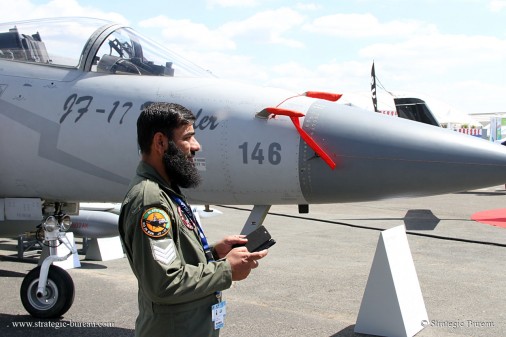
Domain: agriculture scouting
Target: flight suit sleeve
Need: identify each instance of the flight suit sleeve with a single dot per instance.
(163, 275)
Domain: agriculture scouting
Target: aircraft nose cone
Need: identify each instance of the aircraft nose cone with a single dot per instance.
(381, 156)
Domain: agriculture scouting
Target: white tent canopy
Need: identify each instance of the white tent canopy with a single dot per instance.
(443, 112)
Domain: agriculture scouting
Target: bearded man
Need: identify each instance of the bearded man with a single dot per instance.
(180, 276)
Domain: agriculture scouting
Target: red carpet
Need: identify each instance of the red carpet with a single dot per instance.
(494, 217)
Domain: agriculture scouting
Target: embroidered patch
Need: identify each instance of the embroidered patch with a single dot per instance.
(164, 251)
(186, 222)
(155, 223)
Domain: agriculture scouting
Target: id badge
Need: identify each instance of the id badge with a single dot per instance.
(219, 311)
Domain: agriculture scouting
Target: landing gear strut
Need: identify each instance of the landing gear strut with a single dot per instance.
(47, 291)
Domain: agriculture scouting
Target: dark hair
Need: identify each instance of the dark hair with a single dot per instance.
(160, 117)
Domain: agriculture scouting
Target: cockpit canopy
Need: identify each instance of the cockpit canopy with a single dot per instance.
(90, 45)
(124, 52)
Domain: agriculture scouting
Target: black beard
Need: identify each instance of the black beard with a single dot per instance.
(180, 170)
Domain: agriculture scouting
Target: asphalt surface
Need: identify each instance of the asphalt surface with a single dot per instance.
(313, 280)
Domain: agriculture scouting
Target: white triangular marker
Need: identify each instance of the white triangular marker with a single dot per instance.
(105, 249)
(392, 304)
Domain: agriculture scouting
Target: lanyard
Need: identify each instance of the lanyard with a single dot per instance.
(191, 217)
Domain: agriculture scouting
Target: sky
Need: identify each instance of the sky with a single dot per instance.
(453, 50)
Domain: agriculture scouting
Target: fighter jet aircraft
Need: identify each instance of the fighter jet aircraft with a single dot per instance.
(71, 92)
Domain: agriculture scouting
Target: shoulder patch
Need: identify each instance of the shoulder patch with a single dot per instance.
(155, 222)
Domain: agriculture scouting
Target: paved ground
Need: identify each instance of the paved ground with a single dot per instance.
(313, 280)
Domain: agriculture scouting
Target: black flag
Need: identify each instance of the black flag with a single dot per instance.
(373, 88)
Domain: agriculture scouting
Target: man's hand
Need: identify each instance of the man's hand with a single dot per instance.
(243, 261)
(223, 247)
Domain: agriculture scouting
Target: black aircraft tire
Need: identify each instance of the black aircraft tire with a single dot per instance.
(60, 293)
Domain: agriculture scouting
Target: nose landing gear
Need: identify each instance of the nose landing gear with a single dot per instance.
(47, 291)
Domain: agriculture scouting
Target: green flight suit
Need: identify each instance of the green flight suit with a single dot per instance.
(177, 286)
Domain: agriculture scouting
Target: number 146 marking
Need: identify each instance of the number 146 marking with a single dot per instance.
(257, 154)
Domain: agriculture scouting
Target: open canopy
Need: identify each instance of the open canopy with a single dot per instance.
(90, 45)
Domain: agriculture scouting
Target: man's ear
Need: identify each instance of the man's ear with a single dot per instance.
(159, 141)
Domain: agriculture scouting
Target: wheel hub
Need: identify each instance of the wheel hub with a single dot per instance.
(47, 300)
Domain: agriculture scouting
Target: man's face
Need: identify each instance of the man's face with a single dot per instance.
(178, 157)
